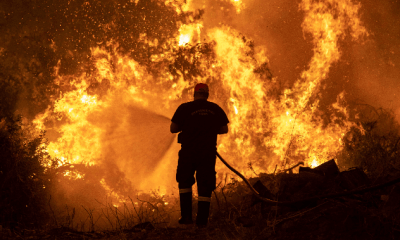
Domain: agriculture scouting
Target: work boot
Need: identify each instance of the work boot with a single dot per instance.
(202, 213)
(186, 208)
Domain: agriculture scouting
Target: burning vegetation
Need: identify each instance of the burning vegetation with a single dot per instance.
(88, 89)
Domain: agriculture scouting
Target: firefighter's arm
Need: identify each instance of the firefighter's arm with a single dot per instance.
(223, 129)
(175, 128)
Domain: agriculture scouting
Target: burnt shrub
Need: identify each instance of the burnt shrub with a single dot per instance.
(23, 181)
(375, 146)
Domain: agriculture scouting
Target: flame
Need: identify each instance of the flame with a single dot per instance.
(74, 175)
(238, 4)
(180, 5)
(187, 33)
(273, 129)
(314, 163)
(111, 192)
(75, 106)
(295, 129)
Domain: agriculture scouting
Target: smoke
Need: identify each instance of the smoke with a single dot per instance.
(376, 63)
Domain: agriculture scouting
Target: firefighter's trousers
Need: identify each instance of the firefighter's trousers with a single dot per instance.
(201, 163)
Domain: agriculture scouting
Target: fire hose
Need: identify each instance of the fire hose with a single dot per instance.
(288, 203)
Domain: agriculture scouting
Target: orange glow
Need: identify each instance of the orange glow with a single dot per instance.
(239, 5)
(314, 163)
(188, 33)
(278, 130)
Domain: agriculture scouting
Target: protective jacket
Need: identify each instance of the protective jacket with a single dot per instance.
(200, 121)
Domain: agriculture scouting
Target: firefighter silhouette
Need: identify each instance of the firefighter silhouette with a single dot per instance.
(198, 123)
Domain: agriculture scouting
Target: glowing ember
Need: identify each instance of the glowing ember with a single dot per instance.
(314, 163)
(184, 39)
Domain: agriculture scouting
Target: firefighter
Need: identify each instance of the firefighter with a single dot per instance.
(199, 122)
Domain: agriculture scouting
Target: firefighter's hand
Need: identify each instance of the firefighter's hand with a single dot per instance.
(175, 128)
